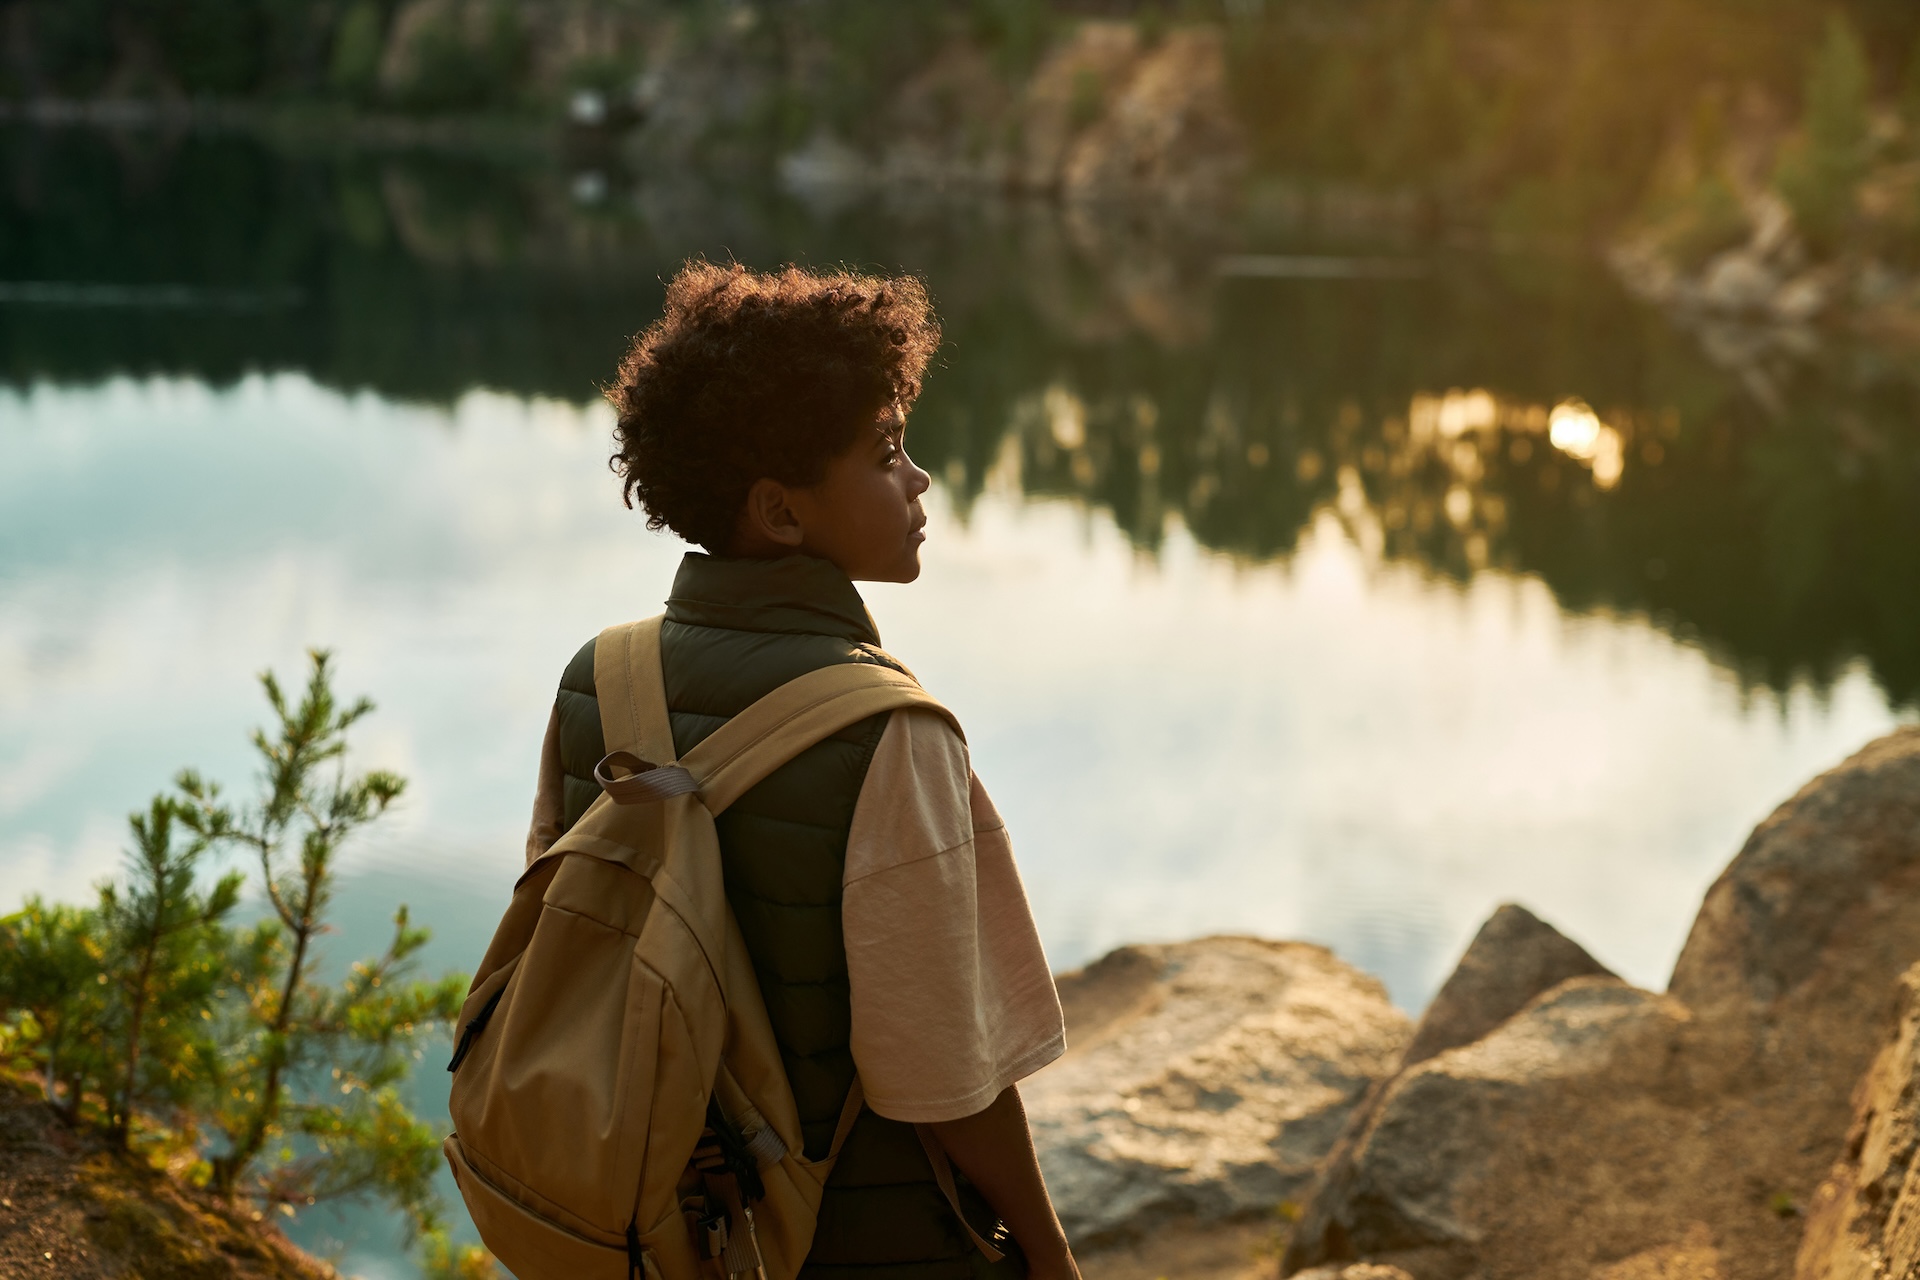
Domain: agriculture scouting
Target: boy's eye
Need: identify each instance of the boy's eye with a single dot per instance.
(890, 457)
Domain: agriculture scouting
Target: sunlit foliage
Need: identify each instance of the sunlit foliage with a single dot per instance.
(165, 950)
(152, 1017)
(1821, 170)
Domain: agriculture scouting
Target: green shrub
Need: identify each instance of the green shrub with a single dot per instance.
(148, 1011)
(1701, 221)
(53, 998)
(165, 956)
(465, 57)
(1086, 100)
(72, 42)
(211, 46)
(1819, 172)
(1015, 31)
(358, 42)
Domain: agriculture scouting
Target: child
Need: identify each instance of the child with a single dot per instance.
(763, 417)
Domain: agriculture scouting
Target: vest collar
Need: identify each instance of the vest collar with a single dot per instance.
(800, 595)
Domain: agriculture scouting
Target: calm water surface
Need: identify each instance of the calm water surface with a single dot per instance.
(1337, 609)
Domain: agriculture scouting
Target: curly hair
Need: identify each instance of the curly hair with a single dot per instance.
(759, 374)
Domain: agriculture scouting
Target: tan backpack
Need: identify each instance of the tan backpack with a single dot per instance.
(619, 1104)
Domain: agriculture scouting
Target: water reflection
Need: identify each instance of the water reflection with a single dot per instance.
(1490, 413)
(1354, 565)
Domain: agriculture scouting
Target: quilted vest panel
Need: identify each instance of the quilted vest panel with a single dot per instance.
(734, 631)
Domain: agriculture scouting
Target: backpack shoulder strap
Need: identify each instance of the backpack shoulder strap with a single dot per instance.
(632, 692)
(787, 721)
(744, 750)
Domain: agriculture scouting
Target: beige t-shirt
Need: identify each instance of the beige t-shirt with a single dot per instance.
(952, 997)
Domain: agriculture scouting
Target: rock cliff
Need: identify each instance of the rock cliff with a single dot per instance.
(1865, 1219)
(1107, 116)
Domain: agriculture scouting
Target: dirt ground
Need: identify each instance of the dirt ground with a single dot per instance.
(72, 1208)
(1242, 1251)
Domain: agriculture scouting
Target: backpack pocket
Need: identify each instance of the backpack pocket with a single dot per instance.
(556, 1087)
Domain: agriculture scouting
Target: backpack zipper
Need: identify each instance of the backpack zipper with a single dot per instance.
(474, 1028)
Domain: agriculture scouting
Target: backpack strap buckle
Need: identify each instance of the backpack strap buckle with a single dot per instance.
(627, 779)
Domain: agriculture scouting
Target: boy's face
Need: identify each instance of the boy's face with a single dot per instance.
(864, 516)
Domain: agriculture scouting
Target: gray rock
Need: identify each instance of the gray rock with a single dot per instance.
(1864, 1222)
(825, 163)
(1804, 933)
(1802, 298)
(1606, 1133)
(1478, 1159)
(1737, 281)
(1515, 957)
(1205, 1082)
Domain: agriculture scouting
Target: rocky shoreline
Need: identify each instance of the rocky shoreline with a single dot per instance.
(1234, 1107)
(1544, 1119)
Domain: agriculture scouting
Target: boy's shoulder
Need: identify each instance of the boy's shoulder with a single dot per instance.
(576, 680)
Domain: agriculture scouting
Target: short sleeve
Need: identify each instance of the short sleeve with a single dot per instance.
(953, 1000)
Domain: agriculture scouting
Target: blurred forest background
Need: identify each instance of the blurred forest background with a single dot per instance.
(419, 196)
(1579, 118)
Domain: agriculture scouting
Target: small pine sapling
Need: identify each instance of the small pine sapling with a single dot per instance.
(307, 1101)
(164, 963)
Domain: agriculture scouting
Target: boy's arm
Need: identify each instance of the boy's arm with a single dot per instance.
(952, 999)
(994, 1148)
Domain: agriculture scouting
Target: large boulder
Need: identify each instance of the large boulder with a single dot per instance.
(1865, 1219)
(1515, 957)
(1481, 1159)
(1205, 1082)
(1804, 933)
(1609, 1132)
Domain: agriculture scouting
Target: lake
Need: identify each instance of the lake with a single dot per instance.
(1290, 579)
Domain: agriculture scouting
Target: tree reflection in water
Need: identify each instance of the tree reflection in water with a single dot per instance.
(1485, 412)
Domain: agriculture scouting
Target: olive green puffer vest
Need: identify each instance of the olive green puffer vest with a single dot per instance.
(734, 631)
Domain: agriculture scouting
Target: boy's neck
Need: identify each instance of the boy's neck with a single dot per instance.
(797, 593)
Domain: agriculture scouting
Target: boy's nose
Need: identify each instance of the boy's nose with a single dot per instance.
(918, 481)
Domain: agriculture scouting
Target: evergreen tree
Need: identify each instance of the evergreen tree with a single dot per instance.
(163, 944)
(53, 998)
(1820, 173)
(306, 1101)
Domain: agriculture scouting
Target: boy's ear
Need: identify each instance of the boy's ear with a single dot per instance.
(768, 516)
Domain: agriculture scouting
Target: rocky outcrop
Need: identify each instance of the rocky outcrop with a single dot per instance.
(1107, 117)
(1205, 1082)
(1607, 1131)
(1483, 1159)
(1515, 957)
(1765, 277)
(1165, 128)
(1865, 1219)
